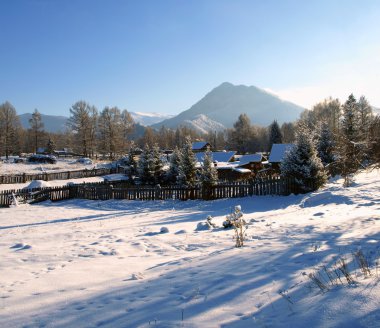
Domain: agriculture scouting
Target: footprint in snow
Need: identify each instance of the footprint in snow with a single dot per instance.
(318, 214)
(18, 245)
(25, 247)
(108, 253)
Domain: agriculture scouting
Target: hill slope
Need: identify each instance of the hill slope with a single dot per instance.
(224, 104)
(52, 123)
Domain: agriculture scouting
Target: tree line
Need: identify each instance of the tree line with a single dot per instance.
(111, 132)
(333, 138)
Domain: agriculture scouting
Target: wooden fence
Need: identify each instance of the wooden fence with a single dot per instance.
(121, 190)
(49, 176)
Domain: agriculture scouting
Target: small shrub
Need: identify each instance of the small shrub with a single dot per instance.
(236, 221)
(362, 263)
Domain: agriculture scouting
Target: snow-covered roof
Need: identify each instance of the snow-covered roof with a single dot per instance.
(217, 156)
(250, 158)
(199, 145)
(278, 152)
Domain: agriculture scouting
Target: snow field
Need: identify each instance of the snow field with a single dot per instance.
(82, 263)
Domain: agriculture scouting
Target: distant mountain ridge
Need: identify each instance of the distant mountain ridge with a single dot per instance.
(149, 118)
(52, 123)
(225, 103)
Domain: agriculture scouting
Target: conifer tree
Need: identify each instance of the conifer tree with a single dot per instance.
(209, 174)
(350, 119)
(374, 137)
(145, 166)
(364, 118)
(174, 164)
(157, 165)
(50, 147)
(303, 164)
(132, 165)
(350, 151)
(275, 135)
(187, 168)
(325, 144)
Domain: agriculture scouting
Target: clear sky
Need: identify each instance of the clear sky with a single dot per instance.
(164, 55)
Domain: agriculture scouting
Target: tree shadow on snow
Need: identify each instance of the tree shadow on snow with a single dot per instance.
(196, 287)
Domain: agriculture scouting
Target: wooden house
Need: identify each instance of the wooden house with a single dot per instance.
(277, 155)
(201, 146)
(253, 162)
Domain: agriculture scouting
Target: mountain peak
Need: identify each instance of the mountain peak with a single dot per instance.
(226, 102)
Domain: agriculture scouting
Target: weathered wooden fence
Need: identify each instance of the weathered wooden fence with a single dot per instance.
(121, 190)
(49, 176)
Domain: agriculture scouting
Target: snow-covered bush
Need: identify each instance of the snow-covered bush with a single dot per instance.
(206, 225)
(236, 221)
(202, 226)
(209, 222)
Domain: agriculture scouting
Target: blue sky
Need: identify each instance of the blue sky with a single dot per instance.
(164, 55)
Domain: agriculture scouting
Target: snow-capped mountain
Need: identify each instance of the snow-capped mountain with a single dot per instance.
(203, 124)
(149, 118)
(226, 102)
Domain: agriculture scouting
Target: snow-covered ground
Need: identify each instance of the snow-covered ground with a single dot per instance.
(82, 263)
(62, 165)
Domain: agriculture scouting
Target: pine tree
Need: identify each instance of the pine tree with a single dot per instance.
(325, 144)
(303, 164)
(209, 175)
(350, 151)
(364, 118)
(132, 165)
(275, 135)
(157, 165)
(50, 147)
(174, 164)
(145, 166)
(374, 145)
(187, 168)
(350, 119)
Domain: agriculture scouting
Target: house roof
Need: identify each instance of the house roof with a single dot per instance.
(217, 156)
(250, 158)
(278, 152)
(199, 145)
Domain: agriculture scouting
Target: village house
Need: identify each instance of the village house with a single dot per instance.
(201, 146)
(253, 162)
(277, 155)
